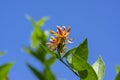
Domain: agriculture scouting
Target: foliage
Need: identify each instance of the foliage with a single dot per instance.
(118, 73)
(4, 69)
(38, 39)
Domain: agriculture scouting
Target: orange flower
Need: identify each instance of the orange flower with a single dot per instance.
(61, 32)
(60, 40)
(53, 43)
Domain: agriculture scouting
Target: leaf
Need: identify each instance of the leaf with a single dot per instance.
(39, 56)
(118, 68)
(2, 53)
(69, 52)
(85, 70)
(49, 51)
(118, 76)
(36, 72)
(50, 61)
(4, 70)
(39, 23)
(37, 34)
(42, 21)
(99, 68)
(118, 73)
(47, 33)
(48, 74)
(31, 20)
(82, 50)
(69, 60)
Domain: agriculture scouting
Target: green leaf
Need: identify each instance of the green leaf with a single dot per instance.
(99, 68)
(69, 60)
(82, 50)
(50, 61)
(85, 70)
(118, 73)
(42, 21)
(2, 53)
(47, 33)
(118, 68)
(37, 34)
(4, 70)
(38, 55)
(48, 74)
(39, 23)
(36, 72)
(31, 20)
(49, 51)
(69, 52)
(118, 76)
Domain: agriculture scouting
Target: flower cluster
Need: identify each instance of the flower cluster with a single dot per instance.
(60, 39)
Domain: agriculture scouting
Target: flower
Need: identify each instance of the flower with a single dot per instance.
(60, 40)
(53, 43)
(61, 32)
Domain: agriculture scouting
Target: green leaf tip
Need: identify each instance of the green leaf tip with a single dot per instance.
(99, 68)
(38, 23)
(4, 70)
(82, 50)
(118, 73)
(118, 68)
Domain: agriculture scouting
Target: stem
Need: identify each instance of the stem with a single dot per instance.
(69, 67)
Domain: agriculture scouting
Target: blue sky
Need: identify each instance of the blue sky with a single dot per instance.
(98, 20)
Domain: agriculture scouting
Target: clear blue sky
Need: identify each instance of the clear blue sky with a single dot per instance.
(98, 20)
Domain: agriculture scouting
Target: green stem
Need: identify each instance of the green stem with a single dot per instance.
(69, 67)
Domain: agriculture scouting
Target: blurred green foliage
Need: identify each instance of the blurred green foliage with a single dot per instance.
(118, 73)
(38, 40)
(4, 69)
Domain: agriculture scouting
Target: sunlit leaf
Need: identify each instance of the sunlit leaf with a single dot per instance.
(31, 20)
(4, 70)
(69, 60)
(118, 68)
(118, 73)
(42, 21)
(85, 70)
(99, 68)
(47, 33)
(82, 50)
(36, 72)
(69, 52)
(37, 34)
